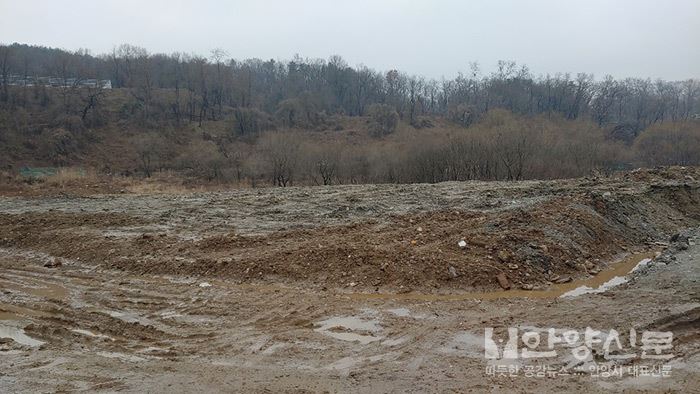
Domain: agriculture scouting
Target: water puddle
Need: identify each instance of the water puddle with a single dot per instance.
(128, 317)
(396, 341)
(8, 316)
(13, 312)
(39, 289)
(615, 281)
(11, 352)
(405, 312)
(18, 335)
(91, 334)
(122, 356)
(343, 328)
(35, 255)
(133, 232)
(170, 314)
(614, 275)
(400, 312)
(466, 344)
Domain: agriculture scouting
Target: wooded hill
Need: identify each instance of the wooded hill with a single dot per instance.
(323, 121)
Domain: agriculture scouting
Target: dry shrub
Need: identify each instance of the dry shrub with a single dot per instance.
(670, 144)
(7, 177)
(161, 184)
(501, 146)
(282, 156)
(322, 161)
(58, 146)
(383, 119)
(202, 159)
(69, 176)
(246, 121)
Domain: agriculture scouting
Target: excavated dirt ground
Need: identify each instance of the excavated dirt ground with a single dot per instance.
(348, 288)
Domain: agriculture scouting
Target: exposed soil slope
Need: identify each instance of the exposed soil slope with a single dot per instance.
(368, 237)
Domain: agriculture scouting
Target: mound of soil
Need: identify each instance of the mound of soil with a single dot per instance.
(567, 229)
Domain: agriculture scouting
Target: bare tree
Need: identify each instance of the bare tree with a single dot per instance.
(282, 154)
(5, 52)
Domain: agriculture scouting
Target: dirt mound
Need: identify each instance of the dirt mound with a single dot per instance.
(564, 231)
(563, 237)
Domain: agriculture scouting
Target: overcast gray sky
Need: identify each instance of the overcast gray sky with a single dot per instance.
(640, 38)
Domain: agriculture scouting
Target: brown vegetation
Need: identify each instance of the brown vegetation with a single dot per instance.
(322, 123)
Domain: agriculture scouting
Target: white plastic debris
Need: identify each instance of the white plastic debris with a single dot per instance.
(462, 244)
(205, 284)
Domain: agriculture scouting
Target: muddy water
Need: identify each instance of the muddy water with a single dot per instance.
(39, 289)
(617, 270)
(18, 335)
(8, 316)
(346, 325)
(32, 287)
(14, 312)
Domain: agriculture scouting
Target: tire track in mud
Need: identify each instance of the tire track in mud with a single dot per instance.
(266, 331)
(105, 312)
(136, 318)
(114, 329)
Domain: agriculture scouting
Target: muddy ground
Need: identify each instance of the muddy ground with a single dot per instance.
(347, 288)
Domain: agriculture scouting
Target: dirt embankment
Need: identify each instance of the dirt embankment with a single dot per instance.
(219, 291)
(532, 234)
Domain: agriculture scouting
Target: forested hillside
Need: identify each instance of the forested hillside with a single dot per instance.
(314, 121)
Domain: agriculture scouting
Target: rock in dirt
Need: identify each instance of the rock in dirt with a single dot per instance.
(53, 263)
(680, 241)
(462, 244)
(503, 281)
(504, 256)
(563, 279)
(453, 272)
